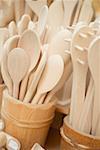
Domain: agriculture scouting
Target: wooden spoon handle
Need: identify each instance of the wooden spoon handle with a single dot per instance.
(41, 100)
(23, 87)
(36, 98)
(3, 139)
(15, 90)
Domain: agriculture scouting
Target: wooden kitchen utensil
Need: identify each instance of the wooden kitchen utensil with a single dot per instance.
(84, 16)
(18, 65)
(95, 71)
(12, 28)
(18, 9)
(96, 7)
(81, 40)
(37, 74)
(36, 6)
(49, 81)
(67, 72)
(42, 20)
(69, 7)
(32, 47)
(61, 38)
(85, 121)
(54, 22)
(23, 23)
(8, 46)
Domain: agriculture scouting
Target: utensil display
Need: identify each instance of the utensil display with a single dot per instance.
(18, 65)
(32, 47)
(10, 44)
(47, 81)
(37, 74)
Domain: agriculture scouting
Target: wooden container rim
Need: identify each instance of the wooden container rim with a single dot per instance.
(29, 105)
(66, 122)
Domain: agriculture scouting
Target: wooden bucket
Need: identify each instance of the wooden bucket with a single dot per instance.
(75, 140)
(2, 86)
(26, 122)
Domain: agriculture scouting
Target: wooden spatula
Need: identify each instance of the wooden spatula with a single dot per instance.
(32, 47)
(80, 41)
(49, 81)
(95, 71)
(85, 121)
(18, 65)
(8, 46)
(37, 74)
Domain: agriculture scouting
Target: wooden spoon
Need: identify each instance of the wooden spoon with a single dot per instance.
(12, 28)
(36, 5)
(54, 22)
(67, 72)
(23, 23)
(32, 47)
(32, 88)
(42, 20)
(84, 16)
(18, 65)
(49, 81)
(19, 9)
(69, 7)
(8, 46)
(59, 44)
(95, 71)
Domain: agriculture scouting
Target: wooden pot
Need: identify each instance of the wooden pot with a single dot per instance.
(77, 140)
(26, 122)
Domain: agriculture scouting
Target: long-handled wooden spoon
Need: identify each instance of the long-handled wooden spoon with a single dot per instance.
(42, 20)
(49, 81)
(18, 65)
(67, 72)
(37, 74)
(8, 46)
(32, 47)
